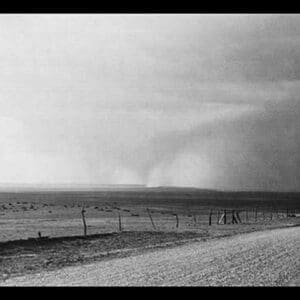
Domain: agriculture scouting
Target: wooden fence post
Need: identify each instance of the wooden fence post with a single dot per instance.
(218, 217)
(225, 213)
(149, 214)
(238, 216)
(210, 217)
(234, 220)
(120, 223)
(256, 214)
(195, 220)
(177, 220)
(83, 220)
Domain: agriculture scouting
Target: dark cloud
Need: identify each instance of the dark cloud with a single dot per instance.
(252, 152)
(204, 100)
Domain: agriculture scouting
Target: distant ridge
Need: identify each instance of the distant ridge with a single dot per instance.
(174, 188)
(65, 187)
(12, 187)
(72, 187)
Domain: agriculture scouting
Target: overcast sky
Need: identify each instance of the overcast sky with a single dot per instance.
(210, 101)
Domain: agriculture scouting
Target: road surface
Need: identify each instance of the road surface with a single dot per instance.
(266, 258)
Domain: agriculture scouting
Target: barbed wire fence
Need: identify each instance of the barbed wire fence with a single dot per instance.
(112, 218)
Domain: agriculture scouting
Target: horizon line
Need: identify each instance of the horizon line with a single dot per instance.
(86, 186)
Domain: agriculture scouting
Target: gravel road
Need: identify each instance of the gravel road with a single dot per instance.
(266, 258)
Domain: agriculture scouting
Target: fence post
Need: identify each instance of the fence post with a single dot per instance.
(195, 220)
(120, 223)
(225, 213)
(210, 217)
(256, 214)
(234, 220)
(238, 216)
(218, 217)
(148, 211)
(177, 220)
(83, 220)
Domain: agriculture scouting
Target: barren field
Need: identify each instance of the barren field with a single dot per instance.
(54, 214)
(179, 216)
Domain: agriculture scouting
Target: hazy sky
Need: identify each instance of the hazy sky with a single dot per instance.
(211, 101)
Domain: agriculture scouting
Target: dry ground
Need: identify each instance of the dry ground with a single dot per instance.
(267, 258)
(37, 255)
(58, 216)
(54, 214)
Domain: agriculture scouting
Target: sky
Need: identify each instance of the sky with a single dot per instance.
(199, 100)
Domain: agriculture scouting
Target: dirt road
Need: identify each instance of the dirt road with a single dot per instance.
(270, 258)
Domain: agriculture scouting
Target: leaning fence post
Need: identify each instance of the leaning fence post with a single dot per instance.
(120, 223)
(238, 216)
(177, 220)
(83, 220)
(234, 221)
(149, 214)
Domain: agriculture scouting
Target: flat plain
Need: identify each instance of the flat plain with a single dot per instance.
(43, 230)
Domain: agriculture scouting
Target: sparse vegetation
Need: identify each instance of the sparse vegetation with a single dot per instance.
(170, 211)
